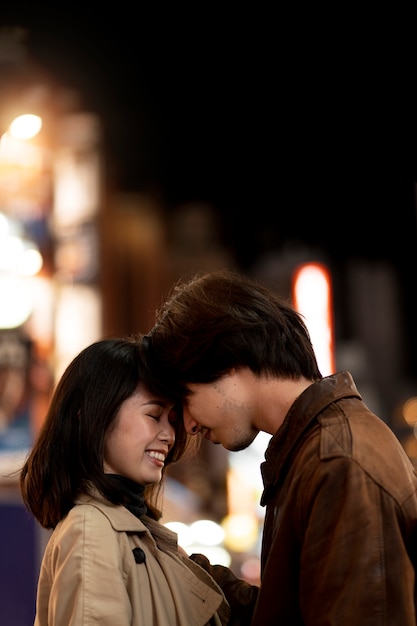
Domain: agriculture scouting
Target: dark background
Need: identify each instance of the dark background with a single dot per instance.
(275, 124)
(299, 131)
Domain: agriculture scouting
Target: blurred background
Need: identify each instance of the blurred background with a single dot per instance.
(169, 144)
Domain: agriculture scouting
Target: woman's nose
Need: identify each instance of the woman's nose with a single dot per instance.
(168, 433)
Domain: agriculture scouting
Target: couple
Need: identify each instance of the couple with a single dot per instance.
(227, 358)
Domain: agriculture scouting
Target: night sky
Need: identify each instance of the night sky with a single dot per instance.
(295, 137)
(292, 138)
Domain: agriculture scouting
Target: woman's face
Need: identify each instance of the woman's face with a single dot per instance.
(140, 438)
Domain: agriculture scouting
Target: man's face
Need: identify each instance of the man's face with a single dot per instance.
(221, 411)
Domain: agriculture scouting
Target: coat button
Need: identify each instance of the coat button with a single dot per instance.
(140, 556)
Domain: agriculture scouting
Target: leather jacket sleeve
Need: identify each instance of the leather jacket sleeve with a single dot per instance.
(240, 594)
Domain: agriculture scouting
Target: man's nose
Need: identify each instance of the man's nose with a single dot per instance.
(190, 425)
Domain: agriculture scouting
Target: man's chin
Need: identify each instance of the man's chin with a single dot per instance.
(239, 445)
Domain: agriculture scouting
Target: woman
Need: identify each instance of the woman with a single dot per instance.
(94, 476)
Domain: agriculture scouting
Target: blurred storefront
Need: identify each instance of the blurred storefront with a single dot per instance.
(50, 301)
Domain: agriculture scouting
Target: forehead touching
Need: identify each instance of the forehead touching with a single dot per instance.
(161, 405)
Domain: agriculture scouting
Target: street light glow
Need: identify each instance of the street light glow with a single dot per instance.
(312, 294)
(26, 126)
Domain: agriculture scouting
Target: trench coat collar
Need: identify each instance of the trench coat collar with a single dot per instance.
(121, 519)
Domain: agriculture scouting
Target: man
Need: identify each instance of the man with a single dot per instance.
(339, 538)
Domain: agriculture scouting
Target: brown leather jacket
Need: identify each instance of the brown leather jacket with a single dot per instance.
(340, 533)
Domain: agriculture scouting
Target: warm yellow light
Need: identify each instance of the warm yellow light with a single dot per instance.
(204, 537)
(409, 411)
(77, 321)
(18, 256)
(207, 532)
(184, 534)
(241, 531)
(26, 126)
(410, 446)
(215, 554)
(30, 262)
(16, 297)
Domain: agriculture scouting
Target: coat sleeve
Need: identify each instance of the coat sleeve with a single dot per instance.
(240, 594)
(88, 574)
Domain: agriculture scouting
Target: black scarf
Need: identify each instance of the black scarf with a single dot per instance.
(134, 499)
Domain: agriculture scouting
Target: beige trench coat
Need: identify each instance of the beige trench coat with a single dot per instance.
(89, 575)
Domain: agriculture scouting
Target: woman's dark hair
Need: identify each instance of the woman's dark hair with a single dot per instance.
(223, 320)
(68, 454)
